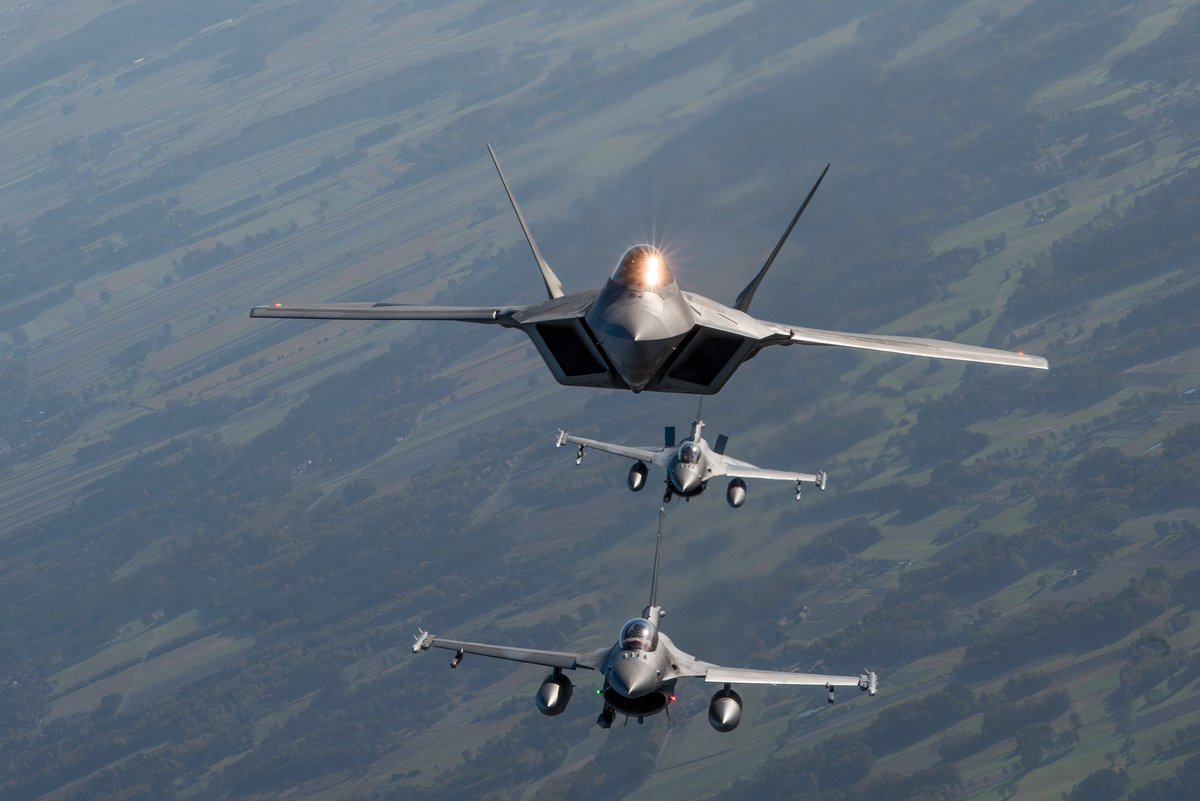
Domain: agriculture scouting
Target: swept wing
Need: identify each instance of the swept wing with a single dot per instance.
(740, 469)
(652, 455)
(558, 659)
(499, 315)
(684, 665)
(723, 675)
(911, 346)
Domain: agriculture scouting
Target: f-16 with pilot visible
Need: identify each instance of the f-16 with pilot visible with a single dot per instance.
(640, 331)
(640, 670)
(690, 465)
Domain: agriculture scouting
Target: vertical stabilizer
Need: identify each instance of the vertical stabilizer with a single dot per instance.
(553, 285)
(746, 295)
(698, 423)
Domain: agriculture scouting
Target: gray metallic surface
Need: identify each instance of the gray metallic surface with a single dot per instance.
(648, 338)
(554, 287)
(736, 494)
(725, 710)
(554, 694)
(637, 476)
(689, 479)
(745, 297)
(640, 680)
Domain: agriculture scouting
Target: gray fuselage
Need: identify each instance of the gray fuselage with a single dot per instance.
(639, 328)
(639, 674)
(688, 469)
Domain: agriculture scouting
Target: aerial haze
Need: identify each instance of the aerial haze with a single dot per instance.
(218, 534)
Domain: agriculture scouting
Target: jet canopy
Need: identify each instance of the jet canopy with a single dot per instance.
(642, 267)
(689, 453)
(639, 634)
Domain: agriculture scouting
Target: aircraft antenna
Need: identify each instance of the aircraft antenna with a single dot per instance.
(746, 295)
(554, 287)
(662, 514)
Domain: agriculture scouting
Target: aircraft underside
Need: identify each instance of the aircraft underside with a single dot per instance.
(697, 363)
(643, 706)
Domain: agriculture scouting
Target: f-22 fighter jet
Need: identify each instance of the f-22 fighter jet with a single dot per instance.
(690, 465)
(640, 670)
(640, 331)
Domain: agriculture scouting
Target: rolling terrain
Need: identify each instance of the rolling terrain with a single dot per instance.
(217, 534)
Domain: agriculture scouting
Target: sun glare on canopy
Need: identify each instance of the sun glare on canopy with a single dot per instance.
(642, 267)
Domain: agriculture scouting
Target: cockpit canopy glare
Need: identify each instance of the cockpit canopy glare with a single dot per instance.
(642, 267)
(639, 634)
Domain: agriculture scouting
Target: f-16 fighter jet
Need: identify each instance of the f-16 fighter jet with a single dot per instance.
(640, 670)
(690, 465)
(640, 331)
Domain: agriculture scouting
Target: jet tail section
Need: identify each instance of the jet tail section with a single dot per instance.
(746, 295)
(698, 423)
(553, 286)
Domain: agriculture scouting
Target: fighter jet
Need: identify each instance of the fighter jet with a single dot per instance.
(640, 670)
(640, 331)
(690, 466)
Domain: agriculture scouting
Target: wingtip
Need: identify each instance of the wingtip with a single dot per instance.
(265, 311)
(422, 640)
(1036, 362)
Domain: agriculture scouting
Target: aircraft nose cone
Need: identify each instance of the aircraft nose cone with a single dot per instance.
(632, 677)
(638, 333)
(686, 478)
(637, 362)
(636, 319)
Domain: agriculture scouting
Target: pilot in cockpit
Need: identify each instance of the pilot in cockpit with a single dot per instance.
(638, 634)
(642, 267)
(689, 453)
